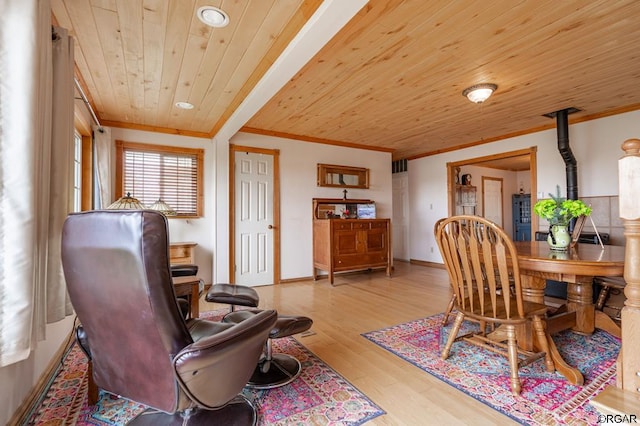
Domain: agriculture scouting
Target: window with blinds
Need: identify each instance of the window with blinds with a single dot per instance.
(152, 172)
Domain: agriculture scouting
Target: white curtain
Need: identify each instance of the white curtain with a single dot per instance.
(103, 148)
(61, 176)
(34, 173)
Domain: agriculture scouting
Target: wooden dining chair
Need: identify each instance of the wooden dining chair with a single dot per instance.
(449, 310)
(471, 246)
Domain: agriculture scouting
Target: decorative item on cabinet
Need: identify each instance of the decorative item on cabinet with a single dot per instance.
(342, 245)
(465, 198)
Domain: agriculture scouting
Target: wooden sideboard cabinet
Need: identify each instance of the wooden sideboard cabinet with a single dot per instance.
(341, 245)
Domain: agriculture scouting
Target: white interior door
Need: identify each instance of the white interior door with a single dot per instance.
(254, 247)
(492, 199)
(400, 223)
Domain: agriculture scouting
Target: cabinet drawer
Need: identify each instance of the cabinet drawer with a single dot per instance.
(180, 252)
(375, 225)
(360, 261)
(361, 225)
(341, 226)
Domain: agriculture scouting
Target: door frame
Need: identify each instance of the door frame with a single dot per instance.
(232, 208)
(531, 152)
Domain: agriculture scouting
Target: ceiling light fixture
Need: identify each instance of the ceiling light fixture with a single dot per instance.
(184, 105)
(479, 92)
(213, 16)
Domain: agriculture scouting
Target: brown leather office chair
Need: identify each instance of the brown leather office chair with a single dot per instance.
(116, 265)
(483, 266)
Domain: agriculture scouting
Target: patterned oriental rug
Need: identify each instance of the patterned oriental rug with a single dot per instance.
(546, 398)
(319, 396)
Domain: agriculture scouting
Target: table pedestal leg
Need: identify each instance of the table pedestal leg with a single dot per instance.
(533, 288)
(604, 322)
(580, 301)
(572, 374)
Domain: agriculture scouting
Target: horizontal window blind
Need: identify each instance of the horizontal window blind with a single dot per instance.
(150, 173)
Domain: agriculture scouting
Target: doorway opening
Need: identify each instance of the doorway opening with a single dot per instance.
(517, 168)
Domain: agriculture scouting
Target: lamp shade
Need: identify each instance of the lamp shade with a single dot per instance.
(480, 92)
(163, 208)
(126, 203)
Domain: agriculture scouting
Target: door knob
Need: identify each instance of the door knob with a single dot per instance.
(270, 226)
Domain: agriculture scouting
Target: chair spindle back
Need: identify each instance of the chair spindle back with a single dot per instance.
(482, 264)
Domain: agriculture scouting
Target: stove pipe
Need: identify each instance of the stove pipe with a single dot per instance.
(571, 165)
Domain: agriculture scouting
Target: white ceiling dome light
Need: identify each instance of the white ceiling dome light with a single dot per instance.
(479, 92)
(213, 16)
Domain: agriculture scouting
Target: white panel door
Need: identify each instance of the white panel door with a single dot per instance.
(400, 223)
(492, 199)
(254, 219)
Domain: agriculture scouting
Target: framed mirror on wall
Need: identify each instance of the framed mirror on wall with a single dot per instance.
(343, 176)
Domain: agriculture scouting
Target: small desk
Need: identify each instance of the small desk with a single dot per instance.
(576, 267)
(189, 286)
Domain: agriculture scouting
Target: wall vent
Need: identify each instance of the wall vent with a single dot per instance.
(399, 166)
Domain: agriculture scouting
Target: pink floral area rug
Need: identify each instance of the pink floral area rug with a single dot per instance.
(546, 398)
(319, 396)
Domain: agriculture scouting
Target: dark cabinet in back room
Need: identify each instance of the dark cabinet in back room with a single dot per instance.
(521, 204)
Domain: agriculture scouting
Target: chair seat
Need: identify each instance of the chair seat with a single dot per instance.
(615, 282)
(286, 325)
(183, 270)
(529, 308)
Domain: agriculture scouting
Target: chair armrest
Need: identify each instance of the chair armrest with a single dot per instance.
(183, 304)
(214, 369)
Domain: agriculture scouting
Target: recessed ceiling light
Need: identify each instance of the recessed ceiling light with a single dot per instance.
(213, 16)
(184, 105)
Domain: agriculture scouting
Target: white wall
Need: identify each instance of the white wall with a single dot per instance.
(298, 178)
(201, 230)
(595, 144)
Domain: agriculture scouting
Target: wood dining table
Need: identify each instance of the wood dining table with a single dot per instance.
(576, 267)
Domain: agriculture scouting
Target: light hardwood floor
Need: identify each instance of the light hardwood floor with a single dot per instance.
(364, 302)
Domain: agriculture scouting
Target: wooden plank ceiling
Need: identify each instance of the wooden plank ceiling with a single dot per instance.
(391, 79)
